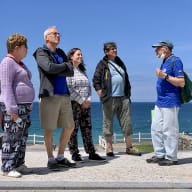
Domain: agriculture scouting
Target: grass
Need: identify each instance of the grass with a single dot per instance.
(144, 147)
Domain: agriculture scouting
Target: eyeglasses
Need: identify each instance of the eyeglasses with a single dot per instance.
(54, 33)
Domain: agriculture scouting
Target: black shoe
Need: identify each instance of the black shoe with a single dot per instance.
(52, 165)
(96, 157)
(154, 159)
(167, 162)
(77, 157)
(110, 154)
(65, 163)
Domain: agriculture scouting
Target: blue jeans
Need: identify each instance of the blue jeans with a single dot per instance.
(165, 132)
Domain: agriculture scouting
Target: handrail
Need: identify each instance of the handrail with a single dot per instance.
(34, 140)
(137, 137)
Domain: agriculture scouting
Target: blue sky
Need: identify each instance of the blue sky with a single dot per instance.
(133, 24)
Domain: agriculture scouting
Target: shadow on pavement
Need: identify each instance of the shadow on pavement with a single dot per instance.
(185, 161)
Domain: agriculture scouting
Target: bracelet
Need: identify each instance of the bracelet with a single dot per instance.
(166, 77)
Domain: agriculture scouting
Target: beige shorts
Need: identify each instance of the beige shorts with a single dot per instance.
(56, 112)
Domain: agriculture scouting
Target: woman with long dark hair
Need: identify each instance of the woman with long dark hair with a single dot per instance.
(80, 93)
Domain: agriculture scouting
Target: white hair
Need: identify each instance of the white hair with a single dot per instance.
(47, 31)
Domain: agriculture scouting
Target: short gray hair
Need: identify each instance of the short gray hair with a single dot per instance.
(47, 31)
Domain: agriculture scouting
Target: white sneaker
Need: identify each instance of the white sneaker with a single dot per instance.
(12, 173)
(24, 169)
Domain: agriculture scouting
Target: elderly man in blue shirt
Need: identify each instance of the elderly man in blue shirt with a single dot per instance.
(165, 126)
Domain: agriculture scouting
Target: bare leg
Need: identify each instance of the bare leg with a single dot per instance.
(109, 143)
(128, 141)
(64, 139)
(49, 142)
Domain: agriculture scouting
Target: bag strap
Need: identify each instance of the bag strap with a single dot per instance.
(172, 62)
(116, 69)
(172, 65)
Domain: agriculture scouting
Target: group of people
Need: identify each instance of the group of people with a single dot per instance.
(65, 102)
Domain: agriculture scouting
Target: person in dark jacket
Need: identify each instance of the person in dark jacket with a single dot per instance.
(112, 84)
(55, 104)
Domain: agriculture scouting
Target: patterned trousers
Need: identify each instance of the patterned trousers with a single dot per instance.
(15, 137)
(82, 119)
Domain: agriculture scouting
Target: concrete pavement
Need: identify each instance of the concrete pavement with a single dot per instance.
(121, 173)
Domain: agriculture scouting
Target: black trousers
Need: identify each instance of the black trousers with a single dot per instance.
(82, 119)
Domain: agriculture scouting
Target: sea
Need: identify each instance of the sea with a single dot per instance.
(141, 120)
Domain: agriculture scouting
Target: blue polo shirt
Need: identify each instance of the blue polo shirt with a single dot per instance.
(59, 82)
(168, 95)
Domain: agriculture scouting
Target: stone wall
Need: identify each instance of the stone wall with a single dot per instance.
(185, 142)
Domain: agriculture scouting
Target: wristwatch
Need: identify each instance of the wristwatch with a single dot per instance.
(166, 77)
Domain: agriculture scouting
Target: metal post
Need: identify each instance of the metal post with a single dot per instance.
(34, 139)
(115, 138)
